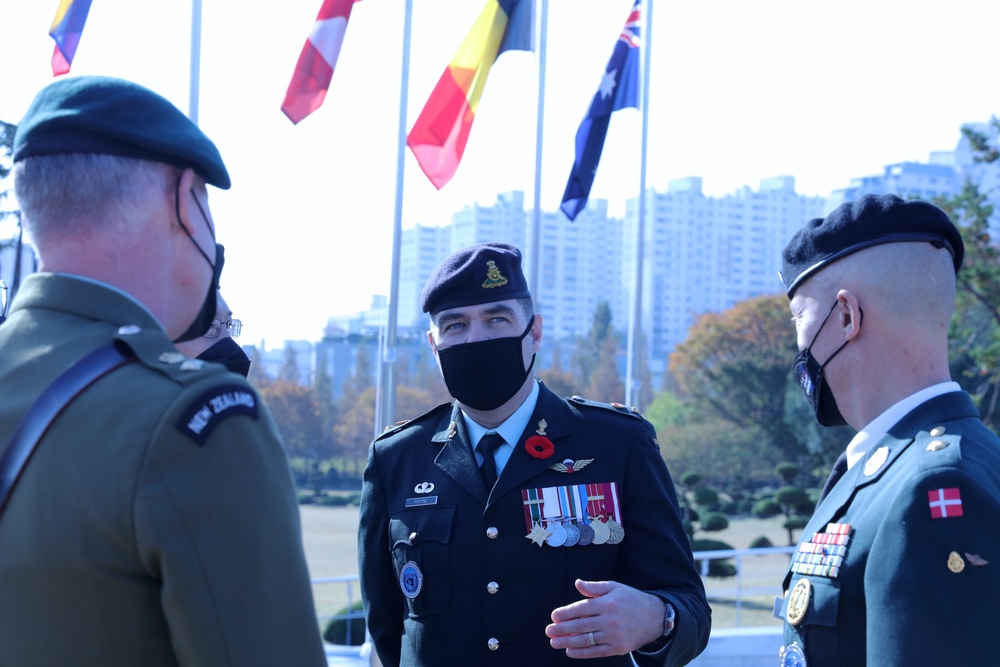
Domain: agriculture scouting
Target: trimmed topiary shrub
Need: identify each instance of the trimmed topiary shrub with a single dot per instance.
(336, 629)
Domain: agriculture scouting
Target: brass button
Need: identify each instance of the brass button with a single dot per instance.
(492, 532)
(937, 431)
(493, 643)
(492, 587)
(935, 445)
(413, 536)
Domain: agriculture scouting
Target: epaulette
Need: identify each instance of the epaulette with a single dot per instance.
(938, 448)
(408, 423)
(620, 408)
(155, 351)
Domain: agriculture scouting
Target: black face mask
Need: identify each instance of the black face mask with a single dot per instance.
(809, 374)
(207, 313)
(486, 374)
(228, 353)
(208, 308)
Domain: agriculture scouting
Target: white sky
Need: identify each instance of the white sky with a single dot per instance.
(824, 91)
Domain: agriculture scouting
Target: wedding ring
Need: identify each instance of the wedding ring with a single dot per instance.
(590, 638)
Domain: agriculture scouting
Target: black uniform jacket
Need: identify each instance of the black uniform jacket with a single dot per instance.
(918, 574)
(479, 577)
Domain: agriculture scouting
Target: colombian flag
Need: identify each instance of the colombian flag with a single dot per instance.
(314, 70)
(439, 136)
(67, 27)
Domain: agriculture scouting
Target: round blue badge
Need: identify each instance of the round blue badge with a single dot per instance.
(792, 656)
(411, 580)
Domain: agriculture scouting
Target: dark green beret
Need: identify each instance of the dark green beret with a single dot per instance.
(869, 221)
(103, 115)
(478, 274)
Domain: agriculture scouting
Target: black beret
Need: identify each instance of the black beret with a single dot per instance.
(478, 274)
(104, 115)
(869, 221)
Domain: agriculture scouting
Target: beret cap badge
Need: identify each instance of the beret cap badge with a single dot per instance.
(493, 276)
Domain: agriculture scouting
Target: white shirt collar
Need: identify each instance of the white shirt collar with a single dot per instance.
(878, 427)
(512, 427)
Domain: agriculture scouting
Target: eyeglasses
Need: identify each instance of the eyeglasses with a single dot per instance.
(234, 326)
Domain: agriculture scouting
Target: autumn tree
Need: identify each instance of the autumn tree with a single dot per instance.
(299, 419)
(560, 381)
(734, 367)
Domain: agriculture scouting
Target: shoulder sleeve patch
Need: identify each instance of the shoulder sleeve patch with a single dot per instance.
(207, 411)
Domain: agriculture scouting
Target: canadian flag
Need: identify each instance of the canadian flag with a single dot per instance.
(945, 503)
(317, 61)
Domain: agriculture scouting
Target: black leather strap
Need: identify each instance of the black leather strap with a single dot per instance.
(49, 404)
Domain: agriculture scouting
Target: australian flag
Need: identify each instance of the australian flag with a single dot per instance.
(619, 89)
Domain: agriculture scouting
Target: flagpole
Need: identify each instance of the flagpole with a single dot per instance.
(536, 211)
(632, 396)
(195, 79)
(387, 411)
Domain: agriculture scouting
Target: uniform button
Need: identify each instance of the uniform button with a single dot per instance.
(937, 431)
(492, 532)
(492, 587)
(493, 643)
(937, 445)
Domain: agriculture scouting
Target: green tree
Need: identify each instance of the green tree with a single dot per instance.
(975, 327)
(588, 355)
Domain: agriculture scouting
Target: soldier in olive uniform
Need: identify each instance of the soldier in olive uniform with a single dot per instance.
(900, 564)
(516, 527)
(156, 522)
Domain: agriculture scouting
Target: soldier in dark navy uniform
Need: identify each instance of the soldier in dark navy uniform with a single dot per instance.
(156, 523)
(515, 527)
(900, 564)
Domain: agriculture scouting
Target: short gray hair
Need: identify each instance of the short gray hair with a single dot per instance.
(57, 193)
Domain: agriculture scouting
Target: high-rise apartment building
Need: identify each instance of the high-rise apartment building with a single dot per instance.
(705, 254)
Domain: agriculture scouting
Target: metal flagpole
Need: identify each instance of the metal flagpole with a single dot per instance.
(632, 384)
(195, 79)
(388, 396)
(536, 212)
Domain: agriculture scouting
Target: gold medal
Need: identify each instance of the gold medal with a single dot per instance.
(955, 562)
(798, 602)
(601, 531)
(538, 535)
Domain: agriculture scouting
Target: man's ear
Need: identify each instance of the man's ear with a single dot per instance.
(430, 341)
(184, 203)
(849, 315)
(536, 333)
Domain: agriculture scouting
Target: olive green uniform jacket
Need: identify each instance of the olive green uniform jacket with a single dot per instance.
(156, 523)
(918, 570)
(486, 591)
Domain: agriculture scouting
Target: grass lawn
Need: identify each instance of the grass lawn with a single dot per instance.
(330, 538)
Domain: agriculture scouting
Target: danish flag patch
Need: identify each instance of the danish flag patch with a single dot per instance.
(945, 503)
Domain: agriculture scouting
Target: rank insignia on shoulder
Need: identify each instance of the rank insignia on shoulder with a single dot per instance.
(213, 406)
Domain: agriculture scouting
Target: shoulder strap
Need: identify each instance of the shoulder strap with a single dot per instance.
(47, 407)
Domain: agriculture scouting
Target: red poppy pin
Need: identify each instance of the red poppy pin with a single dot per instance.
(538, 445)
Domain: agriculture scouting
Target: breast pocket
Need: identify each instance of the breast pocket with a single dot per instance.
(811, 609)
(420, 539)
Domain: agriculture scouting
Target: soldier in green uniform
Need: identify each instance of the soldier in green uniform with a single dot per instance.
(900, 564)
(156, 522)
(516, 527)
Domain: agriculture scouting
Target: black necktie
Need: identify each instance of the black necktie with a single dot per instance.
(839, 468)
(487, 445)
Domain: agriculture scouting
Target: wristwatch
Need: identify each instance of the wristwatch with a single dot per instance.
(668, 620)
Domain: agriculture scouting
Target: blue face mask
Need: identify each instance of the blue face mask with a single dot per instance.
(809, 375)
(486, 374)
